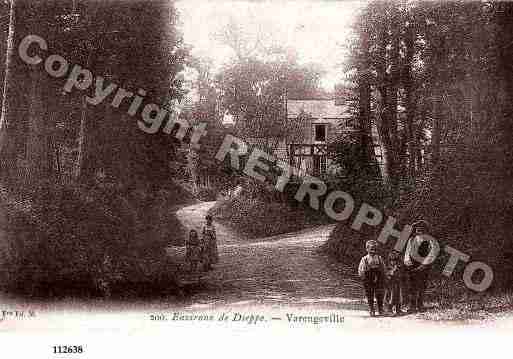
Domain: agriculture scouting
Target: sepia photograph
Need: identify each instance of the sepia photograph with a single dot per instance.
(195, 169)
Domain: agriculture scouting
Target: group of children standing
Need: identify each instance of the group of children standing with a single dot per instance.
(385, 281)
(202, 253)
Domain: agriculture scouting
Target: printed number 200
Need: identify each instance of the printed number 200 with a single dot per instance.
(68, 349)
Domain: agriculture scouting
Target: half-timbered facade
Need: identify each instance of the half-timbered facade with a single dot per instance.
(324, 121)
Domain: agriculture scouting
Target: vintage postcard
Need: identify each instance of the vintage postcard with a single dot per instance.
(314, 172)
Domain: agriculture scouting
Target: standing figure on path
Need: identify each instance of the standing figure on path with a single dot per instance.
(421, 252)
(372, 272)
(210, 240)
(194, 252)
(394, 276)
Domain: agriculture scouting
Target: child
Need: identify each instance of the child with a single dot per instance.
(420, 245)
(211, 254)
(194, 252)
(394, 276)
(372, 271)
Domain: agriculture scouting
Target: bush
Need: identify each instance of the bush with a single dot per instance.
(68, 243)
(470, 215)
(257, 217)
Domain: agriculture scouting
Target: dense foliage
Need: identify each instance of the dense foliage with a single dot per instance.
(97, 185)
(435, 78)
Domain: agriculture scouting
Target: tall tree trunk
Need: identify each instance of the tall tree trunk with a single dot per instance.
(396, 145)
(437, 128)
(39, 151)
(410, 98)
(4, 34)
(439, 76)
(8, 124)
(364, 96)
(85, 168)
(505, 73)
(40, 129)
(79, 165)
(386, 113)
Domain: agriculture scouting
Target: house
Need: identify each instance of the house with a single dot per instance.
(324, 120)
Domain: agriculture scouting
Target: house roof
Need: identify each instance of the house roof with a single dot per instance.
(316, 108)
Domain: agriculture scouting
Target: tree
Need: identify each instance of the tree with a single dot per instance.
(408, 83)
(8, 132)
(254, 91)
(142, 49)
(255, 84)
(26, 150)
(452, 76)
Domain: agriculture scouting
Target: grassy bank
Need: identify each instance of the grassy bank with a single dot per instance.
(256, 217)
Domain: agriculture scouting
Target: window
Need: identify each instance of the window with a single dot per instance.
(320, 132)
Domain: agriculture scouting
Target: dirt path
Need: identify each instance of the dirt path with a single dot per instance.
(285, 269)
(280, 275)
(287, 273)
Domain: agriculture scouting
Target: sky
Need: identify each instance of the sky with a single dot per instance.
(315, 30)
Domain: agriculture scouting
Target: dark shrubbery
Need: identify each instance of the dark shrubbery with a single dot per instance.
(67, 242)
(467, 214)
(266, 213)
(346, 244)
